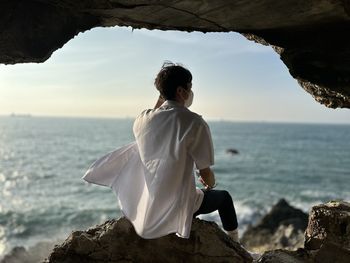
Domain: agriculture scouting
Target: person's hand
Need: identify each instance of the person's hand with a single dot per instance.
(207, 178)
(207, 187)
(202, 182)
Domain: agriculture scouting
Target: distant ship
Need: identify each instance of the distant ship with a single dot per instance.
(25, 115)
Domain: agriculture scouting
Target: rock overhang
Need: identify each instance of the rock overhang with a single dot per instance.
(310, 36)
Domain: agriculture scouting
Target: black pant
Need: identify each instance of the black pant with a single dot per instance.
(219, 200)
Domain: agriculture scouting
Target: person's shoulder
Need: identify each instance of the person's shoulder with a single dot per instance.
(145, 112)
(144, 115)
(193, 117)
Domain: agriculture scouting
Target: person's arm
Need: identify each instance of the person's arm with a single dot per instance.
(207, 177)
(160, 101)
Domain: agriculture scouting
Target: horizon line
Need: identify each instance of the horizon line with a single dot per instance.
(218, 119)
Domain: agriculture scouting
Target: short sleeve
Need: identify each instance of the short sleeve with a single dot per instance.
(201, 146)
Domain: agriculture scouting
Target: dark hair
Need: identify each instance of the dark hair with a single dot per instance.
(170, 77)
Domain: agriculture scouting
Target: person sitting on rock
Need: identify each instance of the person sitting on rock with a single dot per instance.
(153, 177)
(172, 139)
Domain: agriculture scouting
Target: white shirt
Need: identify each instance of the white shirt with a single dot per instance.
(153, 177)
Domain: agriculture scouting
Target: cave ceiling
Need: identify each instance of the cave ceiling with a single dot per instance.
(311, 36)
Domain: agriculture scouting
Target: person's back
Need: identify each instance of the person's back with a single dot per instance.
(170, 140)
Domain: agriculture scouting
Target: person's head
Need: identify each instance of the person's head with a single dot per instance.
(174, 82)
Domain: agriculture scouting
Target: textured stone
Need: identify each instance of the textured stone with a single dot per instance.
(329, 223)
(282, 227)
(327, 238)
(285, 256)
(310, 36)
(330, 252)
(116, 241)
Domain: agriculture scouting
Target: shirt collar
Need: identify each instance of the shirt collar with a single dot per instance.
(171, 103)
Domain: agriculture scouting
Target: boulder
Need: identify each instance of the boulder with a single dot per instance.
(328, 232)
(331, 252)
(232, 151)
(327, 238)
(117, 241)
(329, 223)
(282, 227)
(286, 256)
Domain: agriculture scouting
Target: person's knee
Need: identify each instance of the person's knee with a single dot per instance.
(226, 196)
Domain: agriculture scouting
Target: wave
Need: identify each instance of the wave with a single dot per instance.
(246, 215)
(26, 229)
(33, 254)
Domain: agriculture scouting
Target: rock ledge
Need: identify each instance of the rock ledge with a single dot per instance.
(327, 239)
(117, 241)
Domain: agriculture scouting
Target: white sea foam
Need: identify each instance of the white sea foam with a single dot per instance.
(245, 216)
(2, 177)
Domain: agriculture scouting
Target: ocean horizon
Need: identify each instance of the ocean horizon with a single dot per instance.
(30, 115)
(42, 160)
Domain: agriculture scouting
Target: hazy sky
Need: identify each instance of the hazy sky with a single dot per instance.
(109, 72)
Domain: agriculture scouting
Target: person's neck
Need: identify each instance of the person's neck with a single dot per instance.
(175, 101)
(179, 100)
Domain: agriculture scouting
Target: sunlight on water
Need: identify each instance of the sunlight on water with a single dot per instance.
(2, 240)
(2, 178)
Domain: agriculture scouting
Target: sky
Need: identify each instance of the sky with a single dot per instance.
(109, 72)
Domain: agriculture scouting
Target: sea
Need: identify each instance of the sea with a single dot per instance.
(42, 160)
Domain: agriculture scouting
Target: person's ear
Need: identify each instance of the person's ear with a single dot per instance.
(181, 93)
(179, 90)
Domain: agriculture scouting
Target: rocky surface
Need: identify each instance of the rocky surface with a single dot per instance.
(327, 240)
(310, 36)
(286, 256)
(329, 223)
(282, 227)
(116, 241)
